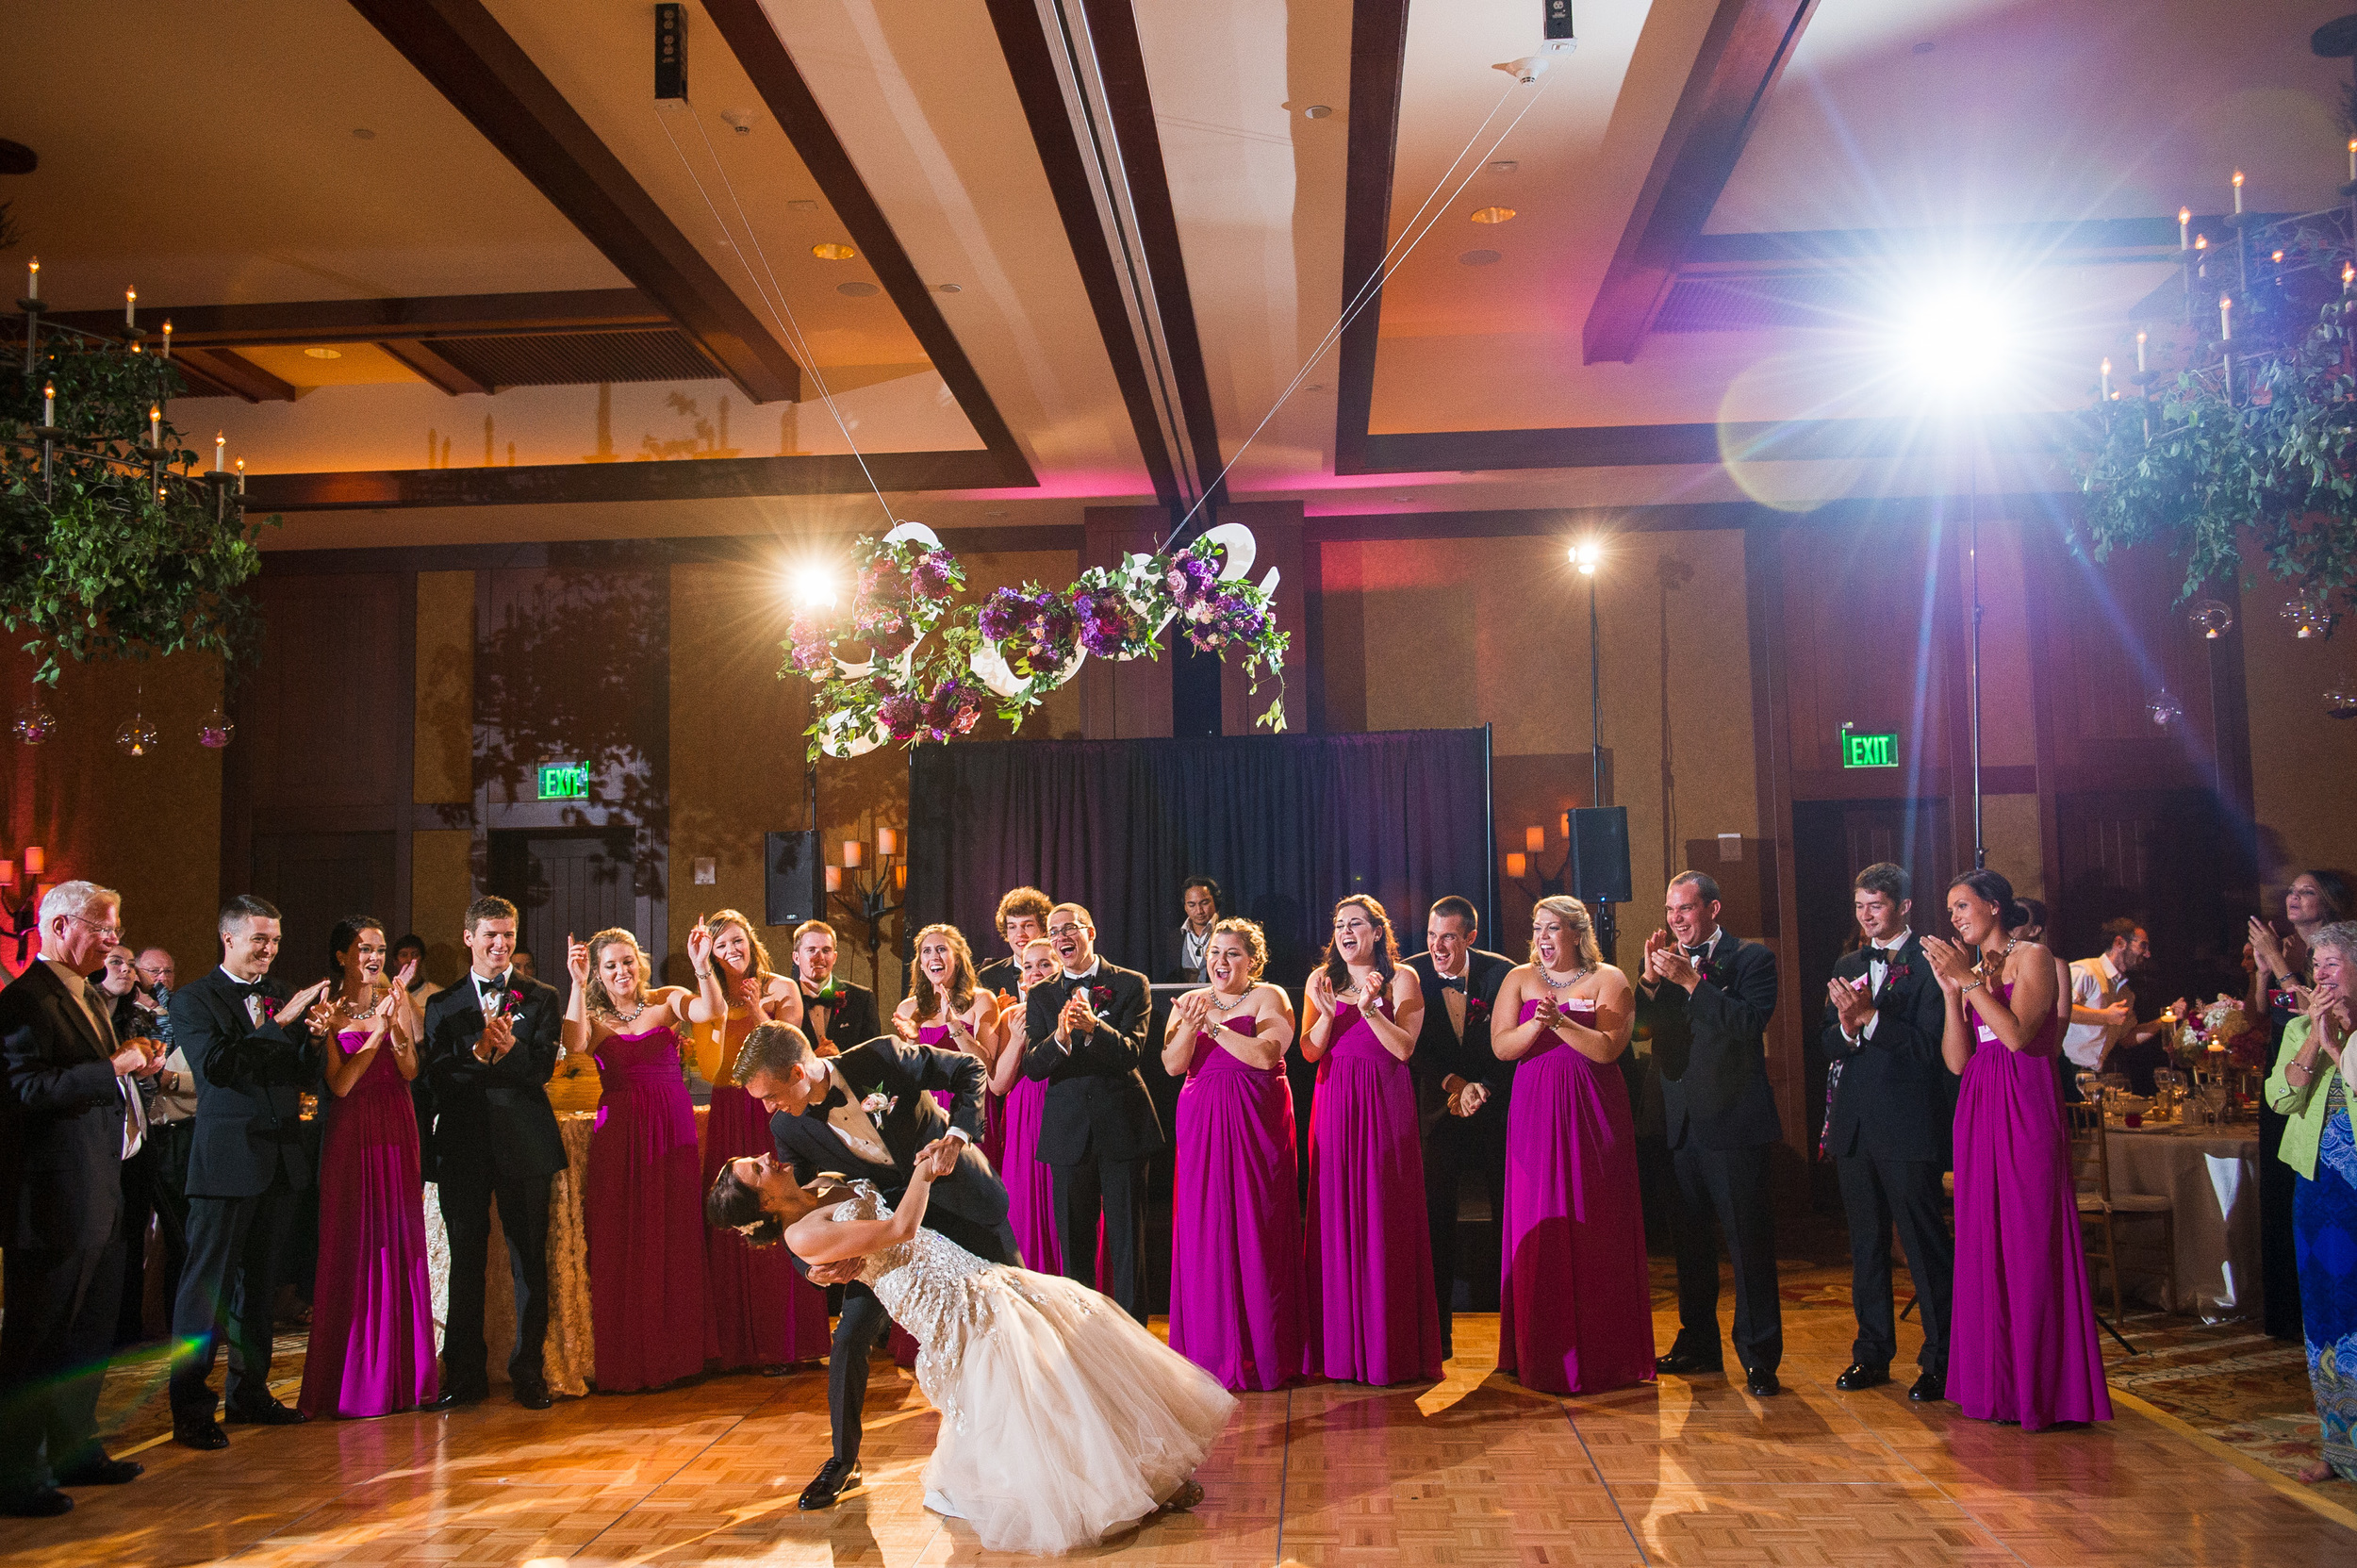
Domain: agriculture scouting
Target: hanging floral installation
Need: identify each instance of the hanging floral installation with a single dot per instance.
(933, 660)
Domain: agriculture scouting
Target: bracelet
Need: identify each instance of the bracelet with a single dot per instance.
(1970, 989)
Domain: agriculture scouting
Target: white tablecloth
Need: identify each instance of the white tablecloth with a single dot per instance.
(2212, 1181)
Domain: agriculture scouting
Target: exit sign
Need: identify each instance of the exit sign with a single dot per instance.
(564, 781)
(1859, 750)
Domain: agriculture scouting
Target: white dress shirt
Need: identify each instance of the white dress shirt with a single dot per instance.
(2090, 979)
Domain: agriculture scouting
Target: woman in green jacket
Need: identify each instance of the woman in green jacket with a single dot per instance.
(2310, 1086)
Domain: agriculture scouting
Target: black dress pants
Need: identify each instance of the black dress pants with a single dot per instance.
(1730, 1186)
(861, 1323)
(1454, 1147)
(1876, 1194)
(1116, 1189)
(227, 1291)
(54, 1342)
(523, 1201)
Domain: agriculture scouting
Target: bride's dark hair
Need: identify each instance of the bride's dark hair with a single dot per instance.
(734, 1205)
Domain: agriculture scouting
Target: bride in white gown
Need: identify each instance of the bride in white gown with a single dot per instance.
(1063, 1421)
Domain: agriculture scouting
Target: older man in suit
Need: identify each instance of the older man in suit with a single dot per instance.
(73, 1117)
(1707, 995)
(1097, 1126)
(1887, 1129)
(1461, 1086)
(242, 1036)
(491, 1047)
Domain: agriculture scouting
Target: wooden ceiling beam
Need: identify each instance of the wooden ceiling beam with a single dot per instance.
(558, 483)
(303, 322)
(235, 374)
(431, 367)
(460, 48)
(1745, 50)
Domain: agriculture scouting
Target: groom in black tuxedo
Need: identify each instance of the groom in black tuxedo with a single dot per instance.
(868, 1113)
(1097, 1127)
(1462, 1087)
(491, 1045)
(1887, 1127)
(242, 1036)
(1707, 995)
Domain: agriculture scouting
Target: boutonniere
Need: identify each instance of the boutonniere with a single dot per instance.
(879, 1103)
(1101, 994)
(1475, 1009)
(1895, 971)
(512, 1005)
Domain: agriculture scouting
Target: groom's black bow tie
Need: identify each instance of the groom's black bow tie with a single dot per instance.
(1452, 983)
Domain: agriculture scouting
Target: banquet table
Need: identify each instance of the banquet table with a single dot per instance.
(2211, 1178)
(570, 1349)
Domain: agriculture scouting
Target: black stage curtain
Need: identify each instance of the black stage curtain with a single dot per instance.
(1286, 824)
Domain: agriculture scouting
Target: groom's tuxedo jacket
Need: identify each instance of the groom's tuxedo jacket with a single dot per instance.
(1892, 1099)
(250, 1080)
(482, 1121)
(1098, 1107)
(969, 1205)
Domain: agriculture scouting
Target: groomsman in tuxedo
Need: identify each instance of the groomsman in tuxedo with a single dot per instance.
(1462, 1088)
(1022, 919)
(242, 1036)
(1887, 1129)
(490, 1045)
(837, 1014)
(1098, 1127)
(1706, 995)
(72, 1117)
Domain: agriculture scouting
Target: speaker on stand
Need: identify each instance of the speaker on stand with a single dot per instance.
(1599, 872)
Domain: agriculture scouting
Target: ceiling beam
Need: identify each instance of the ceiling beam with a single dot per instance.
(1744, 51)
(235, 374)
(754, 38)
(303, 321)
(685, 480)
(431, 367)
(1379, 53)
(460, 48)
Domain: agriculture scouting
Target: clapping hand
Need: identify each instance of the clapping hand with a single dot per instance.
(699, 946)
(904, 1025)
(1949, 964)
(1655, 944)
(1851, 1003)
(300, 1003)
(1076, 1017)
(1320, 989)
(408, 975)
(2267, 947)
(1193, 1009)
(1671, 963)
(499, 1038)
(1549, 1012)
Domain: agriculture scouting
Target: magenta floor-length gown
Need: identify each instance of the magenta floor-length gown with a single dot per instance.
(761, 1313)
(644, 1217)
(1031, 1186)
(1574, 1301)
(2022, 1340)
(1372, 1314)
(372, 1347)
(1235, 1234)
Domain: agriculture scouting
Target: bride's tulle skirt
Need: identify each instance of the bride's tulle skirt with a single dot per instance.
(1062, 1420)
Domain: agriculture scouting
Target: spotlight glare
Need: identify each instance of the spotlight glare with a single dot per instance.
(811, 586)
(1587, 555)
(1959, 339)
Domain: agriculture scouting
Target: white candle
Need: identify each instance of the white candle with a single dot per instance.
(167, 338)
(2238, 192)
(851, 853)
(887, 842)
(49, 405)
(2352, 157)
(241, 476)
(2348, 275)
(834, 878)
(2107, 373)
(154, 425)
(221, 451)
(2185, 222)
(32, 272)
(2226, 317)
(130, 306)
(2139, 354)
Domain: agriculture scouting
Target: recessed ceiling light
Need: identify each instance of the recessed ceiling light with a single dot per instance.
(1925, 47)
(324, 354)
(857, 291)
(833, 253)
(994, 514)
(802, 207)
(1317, 386)
(364, 133)
(1494, 215)
(1503, 166)
(1317, 111)
(1482, 258)
(950, 287)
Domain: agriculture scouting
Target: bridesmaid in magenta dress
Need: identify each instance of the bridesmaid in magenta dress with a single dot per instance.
(1574, 1301)
(760, 1313)
(373, 1306)
(644, 1206)
(1235, 1234)
(947, 1006)
(1372, 1316)
(2022, 1340)
(1031, 1186)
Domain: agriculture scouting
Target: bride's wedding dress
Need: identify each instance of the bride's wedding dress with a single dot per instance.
(1062, 1419)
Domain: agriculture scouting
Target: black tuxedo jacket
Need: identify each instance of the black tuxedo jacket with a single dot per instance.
(1893, 1096)
(1098, 1107)
(481, 1121)
(1712, 1049)
(969, 1205)
(250, 1080)
(1000, 974)
(851, 1017)
(62, 1165)
(1440, 1054)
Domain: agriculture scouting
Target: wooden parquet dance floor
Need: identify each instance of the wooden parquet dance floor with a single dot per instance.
(1472, 1471)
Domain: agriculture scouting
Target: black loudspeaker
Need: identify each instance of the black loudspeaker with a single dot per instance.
(794, 873)
(1600, 856)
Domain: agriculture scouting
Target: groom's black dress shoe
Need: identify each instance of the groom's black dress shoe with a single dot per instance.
(1686, 1363)
(1858, 1375)
(1762, 1383)
(272, 1415)
(533, 1397)
(835, 1479)
(204, 1435)
(102, 1471)
(1930, 1389)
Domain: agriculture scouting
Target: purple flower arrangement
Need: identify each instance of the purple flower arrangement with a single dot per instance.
(1034, 628)
(1111, 626)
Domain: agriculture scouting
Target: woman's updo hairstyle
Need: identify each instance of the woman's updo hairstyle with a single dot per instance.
(1991, 887)
(734, 1205)
(1248, 932)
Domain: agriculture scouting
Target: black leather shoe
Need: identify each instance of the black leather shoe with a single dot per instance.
(1930, 1389)
(534, 1397)
(441, 1402)
(1858, 1375)
(45, 1504)
(465, 1395)
(1762, 1383)
(205, 1435)
(835, 1479)
(272, 1415)
(1686, 1363)
(102, 1471)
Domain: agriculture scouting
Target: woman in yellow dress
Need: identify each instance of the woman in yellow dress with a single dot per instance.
(758, 1312)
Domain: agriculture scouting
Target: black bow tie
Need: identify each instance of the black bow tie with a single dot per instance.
(1696, 953)
(497, 982)
(1452, 983)
(1882, 955)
